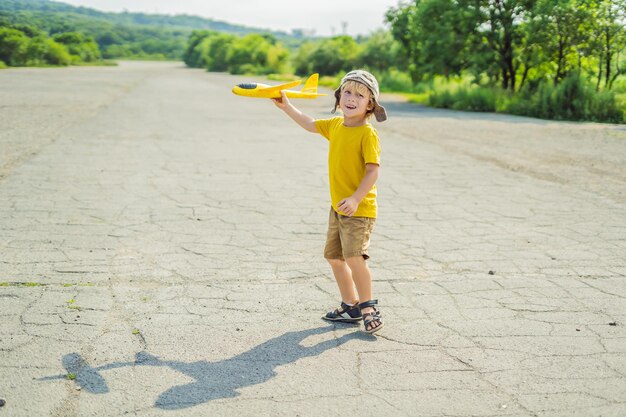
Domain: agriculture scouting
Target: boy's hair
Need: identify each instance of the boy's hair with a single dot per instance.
(361, 89)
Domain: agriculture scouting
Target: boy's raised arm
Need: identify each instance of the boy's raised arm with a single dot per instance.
(304, 120)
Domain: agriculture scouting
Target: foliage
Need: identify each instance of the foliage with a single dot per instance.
(123, 35)
(55, 10)
(380, 52)
(18, 49)
(557, 59)
(256, 54)
(82, 48)
(13, 45)
(327, 56)
(572, 99)
(432, 33)
(512, 42)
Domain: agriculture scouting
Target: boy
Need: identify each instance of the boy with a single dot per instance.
(353, 168)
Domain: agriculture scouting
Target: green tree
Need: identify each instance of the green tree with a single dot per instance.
(381, 52)
(406, 32)
(559, 25)
(43, 50)
(83, 47)
(192, 55)
(302, 59)
(56, 53)
(334, 55)
(252, 53)
(13, 46)
(217, 48)
(434, 34)
(498, 26)
(610, 28)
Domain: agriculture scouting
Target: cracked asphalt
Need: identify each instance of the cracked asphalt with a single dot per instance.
(161, 255)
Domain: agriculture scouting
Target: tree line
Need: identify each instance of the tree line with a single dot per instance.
(557, 59)
(112, 40)
(23, 45)
(117, 35)
(265, 54)
(513, 42)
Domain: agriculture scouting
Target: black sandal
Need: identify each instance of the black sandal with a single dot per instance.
(372, 317)
(347, 314)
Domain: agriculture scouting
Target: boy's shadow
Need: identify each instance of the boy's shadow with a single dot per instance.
(212, 380)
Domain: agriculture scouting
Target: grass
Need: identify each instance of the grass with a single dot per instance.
(421, 98)
(573, 99)
(102, 63)
(39, 284)
(21, 284)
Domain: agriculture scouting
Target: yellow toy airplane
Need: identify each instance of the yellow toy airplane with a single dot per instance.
(273, 91)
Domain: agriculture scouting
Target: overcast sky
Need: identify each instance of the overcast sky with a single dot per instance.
(324, 16)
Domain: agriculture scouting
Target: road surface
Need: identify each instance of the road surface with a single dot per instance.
(161, 255)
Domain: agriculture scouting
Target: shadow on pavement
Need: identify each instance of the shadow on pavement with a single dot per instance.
(212, 380)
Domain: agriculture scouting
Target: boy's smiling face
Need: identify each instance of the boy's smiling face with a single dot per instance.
(355, 101)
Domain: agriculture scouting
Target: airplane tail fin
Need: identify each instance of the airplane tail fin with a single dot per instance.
(310, 86)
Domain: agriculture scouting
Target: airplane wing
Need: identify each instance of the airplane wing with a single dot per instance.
(277, 88)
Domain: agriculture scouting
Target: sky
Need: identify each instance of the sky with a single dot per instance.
(326, 17)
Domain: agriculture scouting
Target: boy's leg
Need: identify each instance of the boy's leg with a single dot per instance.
(355, 239)
(362, 277)
(343, 276)
(334, 255)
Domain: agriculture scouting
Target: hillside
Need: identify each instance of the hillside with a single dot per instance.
(52, 9)
(118, 35)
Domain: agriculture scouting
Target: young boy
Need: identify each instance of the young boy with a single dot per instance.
(353, 165)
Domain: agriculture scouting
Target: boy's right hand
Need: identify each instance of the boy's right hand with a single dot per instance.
(281, 102)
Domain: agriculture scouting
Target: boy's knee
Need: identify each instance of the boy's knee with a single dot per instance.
(335, 262)
(356, 261)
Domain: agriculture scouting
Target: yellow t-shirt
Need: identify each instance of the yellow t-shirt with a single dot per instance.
(350, 149)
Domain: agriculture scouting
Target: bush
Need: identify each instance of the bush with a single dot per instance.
(13, 46)
(573, 99)
(442, 100)
(56, 54)
(192, 54)
(83, 48)
(328, 56)
(215, 52)
(44, 51)
(480, 99)
(393, 80)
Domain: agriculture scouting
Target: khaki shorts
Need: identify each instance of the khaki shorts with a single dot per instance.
(347, 236)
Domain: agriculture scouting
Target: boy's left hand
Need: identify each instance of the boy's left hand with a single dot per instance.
(348, 206)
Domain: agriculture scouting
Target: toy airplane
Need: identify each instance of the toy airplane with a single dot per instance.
(269, 91)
